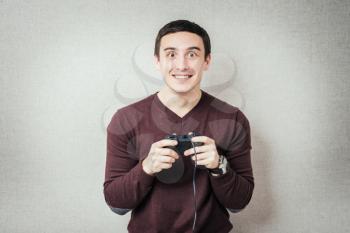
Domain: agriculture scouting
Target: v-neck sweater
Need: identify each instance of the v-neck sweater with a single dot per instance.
(158, 207)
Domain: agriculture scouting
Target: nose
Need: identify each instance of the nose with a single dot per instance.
(181, 63)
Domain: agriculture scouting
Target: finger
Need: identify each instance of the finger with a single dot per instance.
(166, 159)
(158, 161)
(197, 149)
(167, 152)
(164, 143)
(205, 160)
(203, 139)
(161, 166)
(166, 165)
(201, 156)
(209, 155)
(201, 162)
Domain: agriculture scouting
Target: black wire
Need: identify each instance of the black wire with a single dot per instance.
(194, 188)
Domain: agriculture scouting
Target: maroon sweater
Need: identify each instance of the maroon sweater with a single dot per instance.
(165, 208)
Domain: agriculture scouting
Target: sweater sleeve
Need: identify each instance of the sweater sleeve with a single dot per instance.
(126, 184)
(235, 188)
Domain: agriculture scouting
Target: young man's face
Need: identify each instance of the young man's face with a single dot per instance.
(181, 61)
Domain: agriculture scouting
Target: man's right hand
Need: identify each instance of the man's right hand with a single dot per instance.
(160, 158)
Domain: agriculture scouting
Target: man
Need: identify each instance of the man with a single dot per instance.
(137, 150)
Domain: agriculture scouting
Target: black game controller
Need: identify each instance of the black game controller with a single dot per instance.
(175, 173)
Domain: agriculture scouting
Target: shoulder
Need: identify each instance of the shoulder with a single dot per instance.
(126, 118)
(140, 106)
(223, 109)
(226, 123)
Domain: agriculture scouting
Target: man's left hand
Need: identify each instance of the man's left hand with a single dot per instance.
(207, 154)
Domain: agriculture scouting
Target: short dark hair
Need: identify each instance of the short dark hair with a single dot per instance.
(183, 26)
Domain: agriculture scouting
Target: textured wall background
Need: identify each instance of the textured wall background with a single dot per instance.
(59, 66)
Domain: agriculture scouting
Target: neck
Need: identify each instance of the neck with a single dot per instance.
(180, 101)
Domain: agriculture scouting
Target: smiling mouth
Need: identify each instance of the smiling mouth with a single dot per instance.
(182, 76)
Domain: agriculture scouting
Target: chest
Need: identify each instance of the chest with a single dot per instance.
(157, 128)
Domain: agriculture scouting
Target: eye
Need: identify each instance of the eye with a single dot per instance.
(192, 54)
(171, 54)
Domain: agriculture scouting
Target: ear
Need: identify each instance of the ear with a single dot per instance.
(207, 62)
(156, 62)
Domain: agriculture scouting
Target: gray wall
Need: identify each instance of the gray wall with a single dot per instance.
(66, 66)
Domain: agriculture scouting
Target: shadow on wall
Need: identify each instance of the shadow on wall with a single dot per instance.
(260, 210)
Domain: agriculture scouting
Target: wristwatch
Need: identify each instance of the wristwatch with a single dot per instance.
(222, 169)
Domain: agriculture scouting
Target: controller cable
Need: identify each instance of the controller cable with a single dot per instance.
(194, 188)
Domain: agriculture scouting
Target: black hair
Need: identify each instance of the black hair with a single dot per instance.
(183, 26)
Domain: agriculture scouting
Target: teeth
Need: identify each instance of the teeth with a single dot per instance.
(182, 76)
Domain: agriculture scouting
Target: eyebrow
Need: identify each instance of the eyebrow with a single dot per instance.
(190, 48)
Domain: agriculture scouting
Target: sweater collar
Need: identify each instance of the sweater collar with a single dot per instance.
(176, 118)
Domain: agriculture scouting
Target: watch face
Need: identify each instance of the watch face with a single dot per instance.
(222, 169)
(223, 164)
